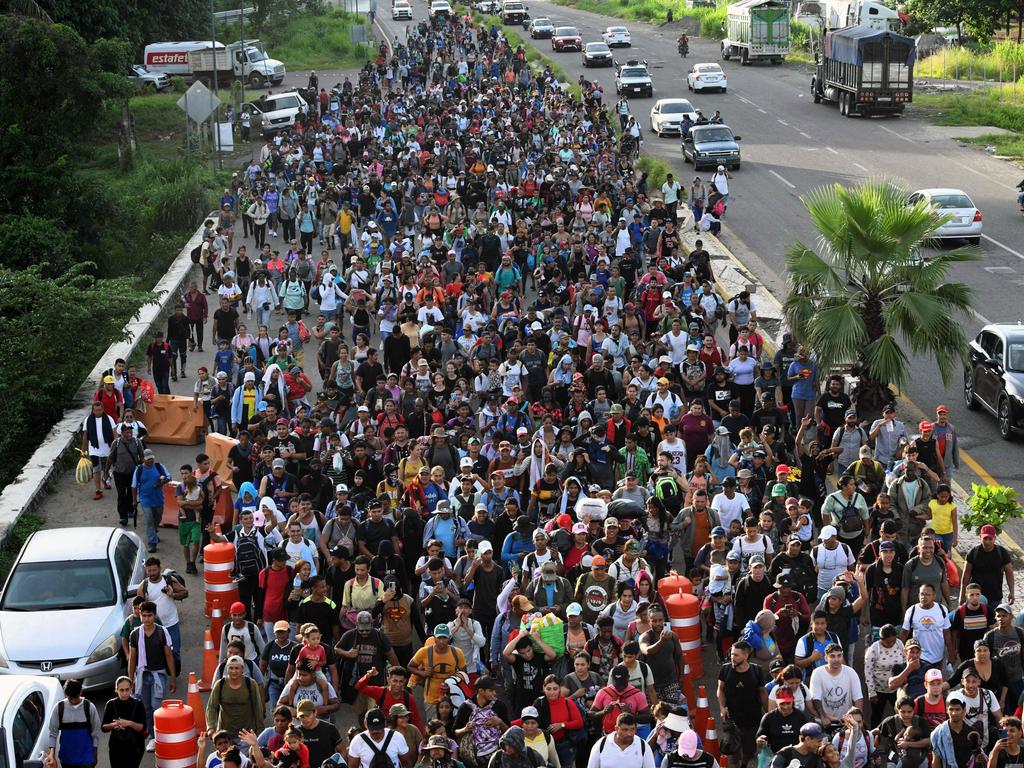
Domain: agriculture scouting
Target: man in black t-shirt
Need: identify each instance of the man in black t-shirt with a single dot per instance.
(805, 753)
(831, 408)
(742, 697)
(225, 321)
(780, 728)
(275, 658)
(320, 737)
(985, 566)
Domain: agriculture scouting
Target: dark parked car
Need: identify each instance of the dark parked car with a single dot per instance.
(994, 378)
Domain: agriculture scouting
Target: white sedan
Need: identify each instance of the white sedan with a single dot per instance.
(965, 220)
(615, 36)
(667, 116)
(706, 77)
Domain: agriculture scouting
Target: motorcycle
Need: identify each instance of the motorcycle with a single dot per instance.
(684, 48)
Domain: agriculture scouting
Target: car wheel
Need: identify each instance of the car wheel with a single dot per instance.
(723, 90)
(969, 399)
(1005, 418)
(744, 58)
(814, 92)
(974, 241)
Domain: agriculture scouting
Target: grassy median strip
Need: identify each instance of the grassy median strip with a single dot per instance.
(1002, 62)
(999, 107)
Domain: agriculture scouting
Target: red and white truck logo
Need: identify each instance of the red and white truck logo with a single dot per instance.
(164, 58)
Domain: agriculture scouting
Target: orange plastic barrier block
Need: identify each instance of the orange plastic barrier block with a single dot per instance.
(171, 421)
(217, 448)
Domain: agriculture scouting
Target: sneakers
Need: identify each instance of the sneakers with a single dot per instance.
(152, 548)
(151, 745)
(191, 568)
(97, 496)
(123, 523)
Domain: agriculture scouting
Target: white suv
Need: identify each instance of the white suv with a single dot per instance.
(277, 112)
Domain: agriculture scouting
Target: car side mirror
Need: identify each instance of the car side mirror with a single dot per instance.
(992, 362)
(736, 138)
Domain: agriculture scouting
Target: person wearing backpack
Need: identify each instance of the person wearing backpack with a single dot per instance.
(241, 629)
(847, 441)
(378, 746)
(617, 698)
(74, 730)
(1006, 642)
(846, 510)
(250, 559)
(148, 483)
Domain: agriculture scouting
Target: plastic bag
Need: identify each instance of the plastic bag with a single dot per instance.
(764, 758)
(83, 472)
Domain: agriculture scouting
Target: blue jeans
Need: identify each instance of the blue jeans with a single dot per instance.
(150, 701)
(274, 688)
(175, 633)
(263, 316)
(152, 516)
(947, 541)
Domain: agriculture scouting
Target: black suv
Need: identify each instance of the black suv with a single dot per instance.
(994, 377)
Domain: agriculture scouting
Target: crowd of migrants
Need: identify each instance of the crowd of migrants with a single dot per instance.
(529, 415)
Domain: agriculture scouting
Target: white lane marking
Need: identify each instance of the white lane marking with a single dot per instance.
(992, 240)
(1000, 269)
(861, 167)
(809, 149)
(783, 122)
(762, 111)
(896, 134)
(831, 150)
(791, 186)
(806, 136)
(980, 173)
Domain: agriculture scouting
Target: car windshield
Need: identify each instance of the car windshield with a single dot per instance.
(255, 54)
(633, 72)
(676, 107)
(542, 23)
(616, 30)
(1015, 356)
(567, 32)
(710, 69)
(713, 134)
(60, 586)
(287, 102)
(952, 200)
(597, 48)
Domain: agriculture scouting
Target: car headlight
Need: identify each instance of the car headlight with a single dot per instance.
(105, 650)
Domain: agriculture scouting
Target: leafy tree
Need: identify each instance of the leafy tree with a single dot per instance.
(137, 21)
(868, 298)
(976, 16)
(44, 356)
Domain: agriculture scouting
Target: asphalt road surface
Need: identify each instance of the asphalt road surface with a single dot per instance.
(790, 146)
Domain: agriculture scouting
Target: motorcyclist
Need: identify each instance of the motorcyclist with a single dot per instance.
(683, 45)
(1020, 197)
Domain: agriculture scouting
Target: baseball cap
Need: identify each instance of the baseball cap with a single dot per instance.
(236, 607)
(598, 562)
(529, 712)
(620, 674)
(306, 707)
(441, 630)
(887, 546)
(924, 426)
(779, 489)
(1005, 607)
(757, 559)
(734, 556)
(148, 454)
(988, 531)
(687, 744)
(935, 674)
(718, 531)
(580, 528)
(956, 697)
(485, 546)
(827, 533)
(782, 469)
(278, 464)
(783, 694)
(941, 409)
(375, 719)
(341, 488)
(282, 626)
(811, 730)
(611, 522)
(573, 609)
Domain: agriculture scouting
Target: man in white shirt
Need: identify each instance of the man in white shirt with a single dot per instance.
(729, 504)
(675, 341)
(720, 181)
(375, 739)
(675, 447)
(512, 373)
(622, 238)
(670, 193)
(429, 314)
(623, 748)
(835, 688)
(929, 623)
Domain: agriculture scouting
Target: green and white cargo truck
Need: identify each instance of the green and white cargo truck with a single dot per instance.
(757, 30)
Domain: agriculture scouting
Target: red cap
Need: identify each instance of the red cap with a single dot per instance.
(941, 409)
(564, 521)
(782, 468)
(237, 607)
(988, 531)
(783, 694)
(925, 426)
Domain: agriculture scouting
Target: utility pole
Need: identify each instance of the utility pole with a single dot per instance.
(242, 41)
(218, 161)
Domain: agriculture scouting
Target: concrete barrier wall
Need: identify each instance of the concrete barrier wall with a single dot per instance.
(25, 491)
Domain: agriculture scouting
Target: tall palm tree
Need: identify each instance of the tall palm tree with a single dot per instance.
(866, 297)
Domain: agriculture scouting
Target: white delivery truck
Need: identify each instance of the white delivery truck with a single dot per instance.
(198, 60)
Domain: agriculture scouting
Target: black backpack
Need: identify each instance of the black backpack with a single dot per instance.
(380, 757)
(249, 555)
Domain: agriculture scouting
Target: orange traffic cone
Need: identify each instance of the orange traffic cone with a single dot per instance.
(723, 761)
(711, 739)
(209, 663)
(196, 702)
(699, 715)
(216, 626)
(691, 700)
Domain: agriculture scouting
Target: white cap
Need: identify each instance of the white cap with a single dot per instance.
(827, 533)
(485, 546)
(536, 326)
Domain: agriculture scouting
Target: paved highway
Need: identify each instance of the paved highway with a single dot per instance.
(790, 146)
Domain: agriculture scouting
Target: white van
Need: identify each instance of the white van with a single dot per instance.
(26, 703)
(277, 112)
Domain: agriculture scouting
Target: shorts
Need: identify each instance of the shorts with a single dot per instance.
(189, 533)
(97, 461)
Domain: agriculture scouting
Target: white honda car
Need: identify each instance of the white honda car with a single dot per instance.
(667, 116)
(965, 220)
(617, 36)
(706, 77)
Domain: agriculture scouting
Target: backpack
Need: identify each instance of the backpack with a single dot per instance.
(196, 254)
(380, 757)
(608, 721)
(850, 520)
(603, 739)
(405, 699)
(89, 708)
(249, 555)
(666, 489)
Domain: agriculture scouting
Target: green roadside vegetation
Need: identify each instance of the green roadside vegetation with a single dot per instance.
(319, 37)
(656, 171)
(1002, 62)
(999, 107)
